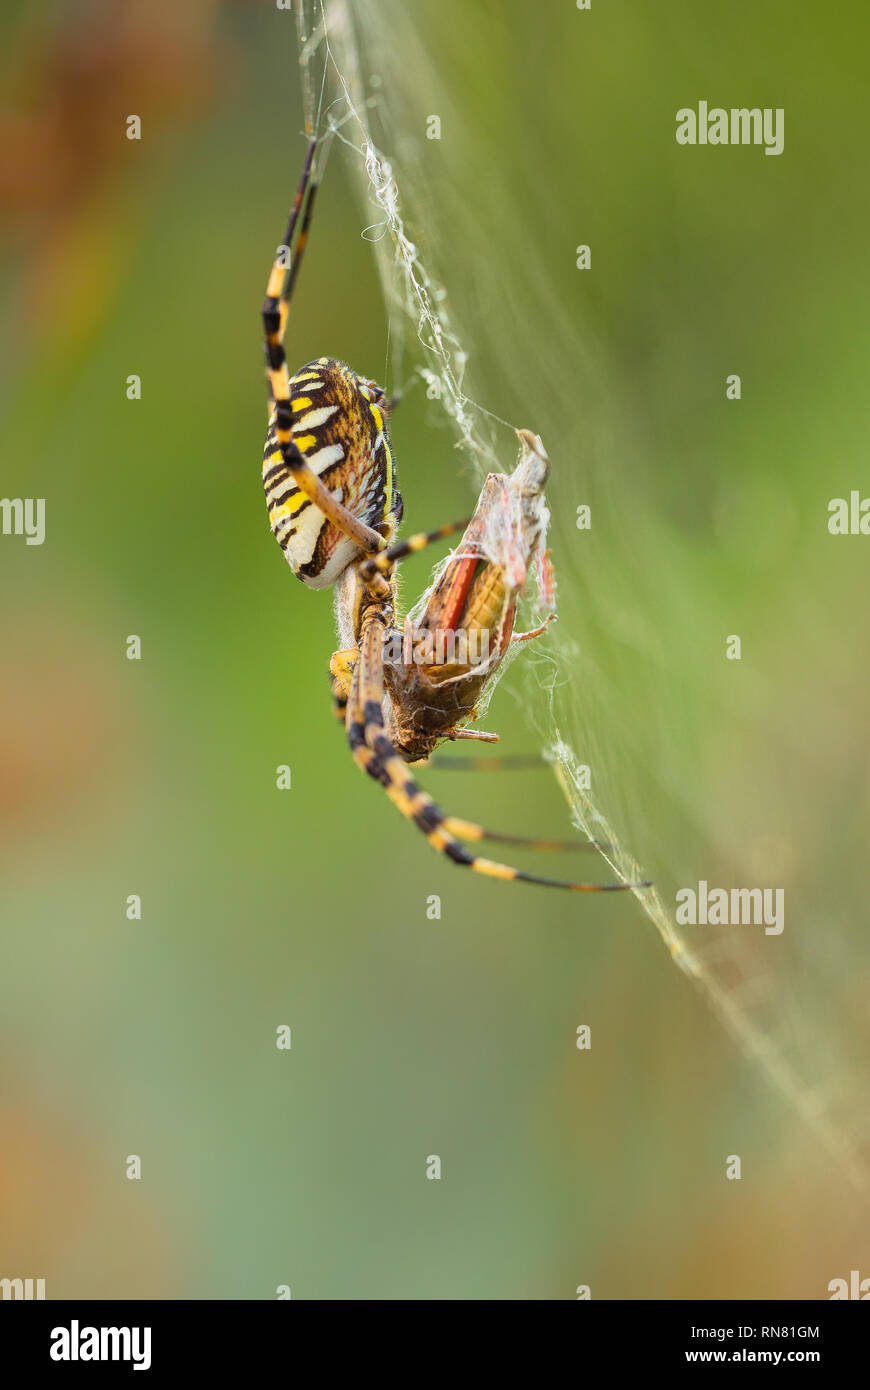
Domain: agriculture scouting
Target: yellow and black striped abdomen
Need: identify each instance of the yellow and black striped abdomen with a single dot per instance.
(340, 430)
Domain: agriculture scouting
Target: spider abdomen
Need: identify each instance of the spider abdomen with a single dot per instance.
(340, 430)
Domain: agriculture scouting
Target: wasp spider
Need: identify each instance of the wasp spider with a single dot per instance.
(334, 509)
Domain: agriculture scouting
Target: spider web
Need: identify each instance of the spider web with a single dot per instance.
(359, 92)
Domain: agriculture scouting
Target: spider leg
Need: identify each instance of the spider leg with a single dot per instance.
(341, 670)
(383, 562)
(339, 702)
(510, 762)
(280, 283)
(287, 292)
(468, 830)
(274, 314)
(375, 754)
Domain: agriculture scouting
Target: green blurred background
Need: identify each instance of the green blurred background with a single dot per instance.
(414, 1037)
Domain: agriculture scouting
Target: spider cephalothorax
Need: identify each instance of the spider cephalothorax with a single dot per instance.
(334, 509)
